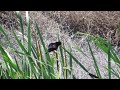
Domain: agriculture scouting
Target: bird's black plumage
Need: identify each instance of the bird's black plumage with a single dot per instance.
(53, 46)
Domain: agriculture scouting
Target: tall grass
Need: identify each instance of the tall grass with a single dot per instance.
(36, 63)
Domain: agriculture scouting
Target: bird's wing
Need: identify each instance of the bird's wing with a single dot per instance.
(52, 45)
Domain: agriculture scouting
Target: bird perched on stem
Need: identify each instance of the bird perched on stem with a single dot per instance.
(53, 46)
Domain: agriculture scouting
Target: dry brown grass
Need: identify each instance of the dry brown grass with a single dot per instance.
(94, 22)
(87, 21)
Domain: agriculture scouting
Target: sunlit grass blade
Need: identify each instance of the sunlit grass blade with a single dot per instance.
(82, 52)
(38, 52)
(113, 72)
(13, 74)
(103, 45)
(25, 51)
(50, 70)
(7, 59)
(65, 64)
(37, 57)
(3, 31)
(95, 62)
(20, 44)
(71, 64)
(109, 61)
(72, 75)
(61, 55)
(18, 67)
(29, 33)
(21, 23)
(34, 52)
(28, 71)
(62, 58)
(25, 69)
(41, 39)
(117, 59)
(82, 66)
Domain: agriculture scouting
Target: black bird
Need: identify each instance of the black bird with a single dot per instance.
(53, 46)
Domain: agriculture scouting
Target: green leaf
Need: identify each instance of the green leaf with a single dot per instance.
(95, 62)
(82, 66)
(50, 69)
(7, 58)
